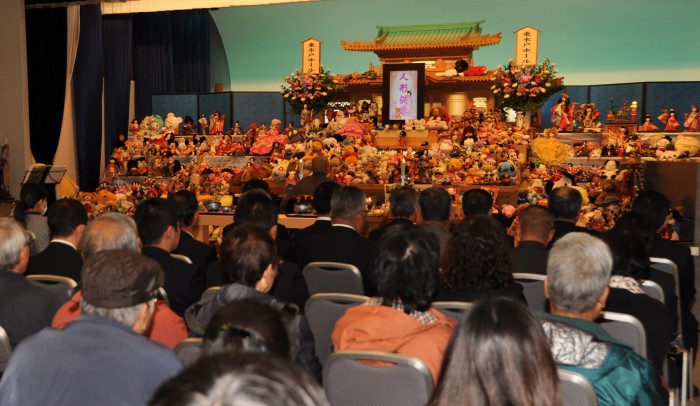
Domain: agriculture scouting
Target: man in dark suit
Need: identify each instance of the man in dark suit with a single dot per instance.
(476, 201)
(343, 243)
(158, 229)
(308, 184)
(403, 203)
(565, 204)
(67, 219)
(25, 308)
(535, 230)
(322, 204)
(656, 207)
(436, 213)
(187, 210)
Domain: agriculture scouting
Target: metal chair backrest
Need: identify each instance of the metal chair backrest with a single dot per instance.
(533, 289)
(453, 310)
(182, 258)
(62, 286)
(653, 290)
(189, 350)
(669, 267)
(322, 310)
(625, 328)
(333, 277)
(387, 379)
(209, 294)
(5, 349)
(576, 389)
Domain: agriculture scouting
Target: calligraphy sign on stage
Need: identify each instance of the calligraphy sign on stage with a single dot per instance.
(526, 46)
(311, 56)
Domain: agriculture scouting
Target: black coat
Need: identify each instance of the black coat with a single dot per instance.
(182, 284)
(57, 259)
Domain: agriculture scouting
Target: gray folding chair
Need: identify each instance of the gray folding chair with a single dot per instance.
(575, 389)
(453, 310)
(5, 349)
(533, 289)
(182, 258)
(322, 310)
(333, 277)
(403, 381)
(189, 350)
(161, 294)
(653, 290)
(626, 329)
(61, 286)
(209, 294)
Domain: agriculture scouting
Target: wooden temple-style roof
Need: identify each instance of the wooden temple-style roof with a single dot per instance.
(442, 40)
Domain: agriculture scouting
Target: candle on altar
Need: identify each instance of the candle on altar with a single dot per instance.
(403, 167)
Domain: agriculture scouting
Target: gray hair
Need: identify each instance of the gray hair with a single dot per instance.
(347, 202)
(124, 315)
(13, 238)
(110, 231)
(578, 271)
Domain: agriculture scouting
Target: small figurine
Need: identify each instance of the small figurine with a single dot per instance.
(203, 124)
(669, 118)
(692, 119)
(134, 127)
(402, 138)
(188, 127)
(216, 124)
(648, 125)
(562, 113)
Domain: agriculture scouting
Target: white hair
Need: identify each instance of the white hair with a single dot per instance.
(13, 238)
(123, 315)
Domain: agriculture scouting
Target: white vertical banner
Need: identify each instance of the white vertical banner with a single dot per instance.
(311, 56)
(526, 46)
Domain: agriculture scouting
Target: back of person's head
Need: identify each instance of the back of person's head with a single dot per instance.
(153, 217)
(257, 207)
(476, 201)
(644, 227)
(565, 203)
(185, 204)
(110, 231)
(405, 266)
(653, 205)
(255, 184)
(498, 355)
(246, 252)
(477, 256)
(403, 201)
(13, 238)
(629, 253)
(29, 196)
(116, 282)
(247, 327)
(347, 202)
(64, 216)
(319, 164)
(578, 272)
(322, 197)
(241, 379)
(435, 204)
(536, 221)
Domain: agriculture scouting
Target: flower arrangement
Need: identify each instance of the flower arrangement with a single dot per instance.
(313, 90)
(525, 88)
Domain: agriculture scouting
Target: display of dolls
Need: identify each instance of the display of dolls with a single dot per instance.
(648, 125)
(692, 119)
(669, 118)
(563, 113)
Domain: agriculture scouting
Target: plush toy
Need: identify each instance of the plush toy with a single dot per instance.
(476, 71)
(104, 196)
(349, 155)
(610, 169)
(279, 171)
(460, 66)
(687, 146)
(172, 123)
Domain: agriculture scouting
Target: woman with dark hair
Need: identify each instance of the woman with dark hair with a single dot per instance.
(400, 319)
(498, 355)
(630, 267)
(30, 212)
(248, 327)
(249, 258)
(477, 263)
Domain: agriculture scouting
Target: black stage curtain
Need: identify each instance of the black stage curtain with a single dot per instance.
(46, 64)
(117, 31)
(87, 90)
(171, 55)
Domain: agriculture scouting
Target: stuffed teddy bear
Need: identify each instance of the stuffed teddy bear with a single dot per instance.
(172, 123)
(349, 155)
(460, 66)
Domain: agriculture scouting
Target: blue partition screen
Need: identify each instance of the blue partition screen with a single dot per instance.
(677, 96)
(210, 103)
(257, 107)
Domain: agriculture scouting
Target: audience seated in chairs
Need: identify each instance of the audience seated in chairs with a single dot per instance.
(101, 358)
(308, 184)
(157, 224)
(343, 243)
(565, 204)
(241, 379)
(187, 209)
(114, 231)
(248, 257)
(322, 205)
(436, 213)
(498, 355)
(534, 230)
(476, 201)
(485, 270)
(578, 273)
(630, 266)
(25, 308)
(67, 219)
(400, 318)
(403, 204)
